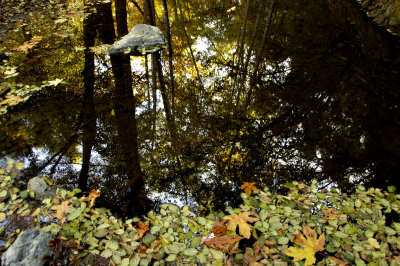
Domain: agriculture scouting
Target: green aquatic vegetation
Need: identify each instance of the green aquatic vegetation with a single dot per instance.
(340, 228)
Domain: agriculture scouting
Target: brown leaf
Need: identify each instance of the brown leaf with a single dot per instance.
(218, 228)
(332, 214)
(226, 243)
(252, 259)
(248, 188)
(240, 220)
(61, 209)
(338, 261)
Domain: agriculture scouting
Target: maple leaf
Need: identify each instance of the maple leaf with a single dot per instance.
(226, 243)
(248, 188)
(92, 197)
(61, 209)
(309, 245)
(240, 220)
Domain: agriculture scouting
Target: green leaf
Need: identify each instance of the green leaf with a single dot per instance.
(106, 253)
(147, 239)
(171, 257)
(173, 248)
(190, 252)
(3, 193)
(340, 234)
(155, 229)
(74, 215)
(2, 216)
(283, 240)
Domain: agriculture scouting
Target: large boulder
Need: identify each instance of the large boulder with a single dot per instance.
(30, 248)
(142, 39)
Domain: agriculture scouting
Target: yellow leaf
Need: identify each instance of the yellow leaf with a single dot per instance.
(309, 245)
(248, 188)
(240, 220)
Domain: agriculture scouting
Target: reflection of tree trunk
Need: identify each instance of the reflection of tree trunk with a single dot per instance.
(125, 114)
(170, 54)
(120, 10)
(124, 102)
(88, 111)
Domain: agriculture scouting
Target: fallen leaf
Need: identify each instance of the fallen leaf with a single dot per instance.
(92, 197)
(219, 228)
(338, 261)
(248, 188)
(240, 220)
(141, 230)
(332, 214)
(61, 209)
(309, 245)
(29, 44)
(252, 259)
(226, 243)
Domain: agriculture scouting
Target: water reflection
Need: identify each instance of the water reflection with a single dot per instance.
(322, 104)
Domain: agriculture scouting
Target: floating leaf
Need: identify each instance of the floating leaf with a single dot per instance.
(309, 245)
(2, 216)
(171, 257)
(101, 233)
(92, 197)
(248, 188)
(240, 220)
(190, 252)
(226, 243)
(218, 228)
(74, 215)
(61, 209)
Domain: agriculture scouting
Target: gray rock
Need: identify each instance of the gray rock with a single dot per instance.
(142, 39)
(30, 248)
(40, 188)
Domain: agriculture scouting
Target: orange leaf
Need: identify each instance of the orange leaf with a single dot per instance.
(92, 197)
(309, 245)
(248, 188)
(240, 220)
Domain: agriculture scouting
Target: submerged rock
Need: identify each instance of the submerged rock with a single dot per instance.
(142, 39)
(30, 248)
(40, 188)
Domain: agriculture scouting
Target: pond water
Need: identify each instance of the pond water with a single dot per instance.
(294, 91)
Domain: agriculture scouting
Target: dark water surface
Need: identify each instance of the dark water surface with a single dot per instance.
(317, 97)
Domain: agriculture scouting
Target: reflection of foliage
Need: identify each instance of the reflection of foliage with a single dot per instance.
(361, 232)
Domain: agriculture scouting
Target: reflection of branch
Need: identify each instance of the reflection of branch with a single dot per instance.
(259, 55)
(60, 153)
(138, 7)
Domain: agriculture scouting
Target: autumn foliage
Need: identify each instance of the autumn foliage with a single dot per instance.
(305, 226)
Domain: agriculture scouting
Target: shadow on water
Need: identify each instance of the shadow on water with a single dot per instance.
(317, 98)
